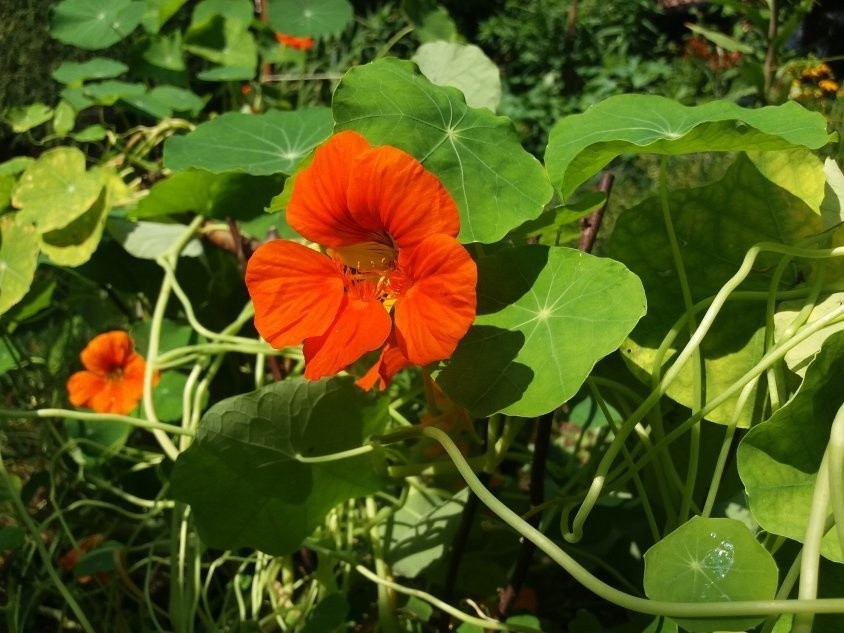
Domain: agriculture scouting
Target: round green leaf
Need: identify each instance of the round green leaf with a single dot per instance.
(74, 244)
(736, 340)
(56, 189)
(309, 17)
(778, 460)
(580, 145)
(710, 560)
(525, 355)
(24, 118)
(150, 240)
(463, 66)
(18, 259)
(243, 476)
(178, 99)
(263, 144)
(94, 68)
(95, 24)
(109, 91)
(64, 119)
(15, 165)
(497, 185)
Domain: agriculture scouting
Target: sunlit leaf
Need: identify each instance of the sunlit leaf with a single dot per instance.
(581, 145)
(243, 477)
(727, 218)
(263, 144)
(799, 356)
(56, 189)
(95, 68)
(95, 24)
(710, 560)
(24, 118)
(309, 17)
(798, 171)
(64, 119)
(545, 317)
(778, 460)
(497, 185)
(75, 243)
(18, 259)
(15, 165)
(463, 66)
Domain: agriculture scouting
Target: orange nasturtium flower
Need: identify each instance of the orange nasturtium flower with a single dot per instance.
(299, 43)
(113, 379)
(392, 275)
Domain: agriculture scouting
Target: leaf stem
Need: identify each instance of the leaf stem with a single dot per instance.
(84, 416)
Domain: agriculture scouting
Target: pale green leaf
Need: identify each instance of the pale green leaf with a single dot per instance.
(94, 68)
(24, 118)
(463, 66)
(18, 259)
(64, 119)
(149, 240)
(75, 243)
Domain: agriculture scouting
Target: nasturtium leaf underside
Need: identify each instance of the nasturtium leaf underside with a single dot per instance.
(710, 560)
(778, 460)
(496, 184)
(309, 17)
(235, 195)
(545, 317)
(241, 475)
(149, 240)
(463, 66)
(56, 189)
(74, 244)
(580, 145)
(18, 259)
(95, 68)
(715, 226)
(95, 24)
(269, 143)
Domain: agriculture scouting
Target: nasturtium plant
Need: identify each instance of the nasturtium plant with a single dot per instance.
(74, 73)
(710, 560)
(18, 259)
(463, 66)
(95, 24)
(264, 447)
(497, 185)
(309, 17)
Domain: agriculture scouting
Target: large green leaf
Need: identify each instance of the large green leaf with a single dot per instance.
(74, 244)
(463, 66)
(263, 144)
(56, 189)
(778, 460)
(710, 560)
(309, 17)
(18, 259)
(724, 218)
(545, 317)
(235, 195)
(243, 476)
(581, 145)
(94, 68)
(95, 24)
(497, 185)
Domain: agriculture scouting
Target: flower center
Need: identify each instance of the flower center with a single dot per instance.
(368, 257)
(369, 270)
(114, 373)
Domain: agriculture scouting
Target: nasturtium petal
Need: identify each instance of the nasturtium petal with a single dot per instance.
(309, 17)
(778, 460)
(710, 560)
(434, 313)
(496, 184)
(95, 24)
(55, 190)
(258, 144)
(545, 317)
(18, 259)
(580, 145)
(361, 326)
(243, 476)
(297, 292)
(724, 218)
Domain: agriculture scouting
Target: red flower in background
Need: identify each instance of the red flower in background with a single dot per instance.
(299, 43)
(113, 379)
(392, 277)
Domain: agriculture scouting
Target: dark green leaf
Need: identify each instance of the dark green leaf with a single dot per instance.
(242, 477)
(11, 537)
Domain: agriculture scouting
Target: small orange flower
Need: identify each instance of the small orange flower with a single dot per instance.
(393, 276)
(299, 43)
(113, 379)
